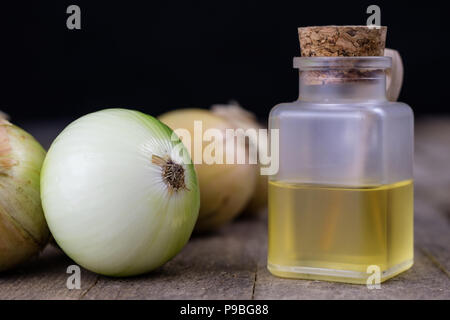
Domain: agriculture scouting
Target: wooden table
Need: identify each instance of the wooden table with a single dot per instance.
(231, 263)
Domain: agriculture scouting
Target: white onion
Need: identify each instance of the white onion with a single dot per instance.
(108, 205)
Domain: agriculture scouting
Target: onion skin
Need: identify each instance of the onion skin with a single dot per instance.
(23, 230)
(394, 75)
(259, 198)
(225, 188)
(105, 200)
(241, 118)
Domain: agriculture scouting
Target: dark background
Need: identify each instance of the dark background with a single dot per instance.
(159, 55)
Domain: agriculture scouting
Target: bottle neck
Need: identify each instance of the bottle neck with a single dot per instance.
(326, 88)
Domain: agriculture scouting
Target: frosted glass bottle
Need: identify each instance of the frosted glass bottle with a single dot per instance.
(341, 204)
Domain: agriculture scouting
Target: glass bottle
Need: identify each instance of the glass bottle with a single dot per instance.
(341, 204)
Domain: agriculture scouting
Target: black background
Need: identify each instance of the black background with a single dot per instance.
(160, 55)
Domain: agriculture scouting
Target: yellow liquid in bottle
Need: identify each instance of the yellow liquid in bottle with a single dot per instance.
(335, 233)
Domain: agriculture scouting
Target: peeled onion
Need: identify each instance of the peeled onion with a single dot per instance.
(118, 197)
(225, 188)
(23, 230)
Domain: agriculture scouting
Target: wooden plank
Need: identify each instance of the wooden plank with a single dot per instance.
(432, 190)
(432, 235)
(213, 266)
(432, 163)
(231, 263)
(422, 281)
(42, 278)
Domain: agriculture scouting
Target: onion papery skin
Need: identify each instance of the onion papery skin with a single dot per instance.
(23, 230)
(106, 203)
(225, 188)
(241, 118)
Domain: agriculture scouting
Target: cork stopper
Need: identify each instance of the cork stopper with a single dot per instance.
(342, 41)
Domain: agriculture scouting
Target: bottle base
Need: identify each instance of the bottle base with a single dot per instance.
(347, 276)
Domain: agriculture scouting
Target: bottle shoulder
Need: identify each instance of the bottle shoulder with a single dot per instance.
(382, 109)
